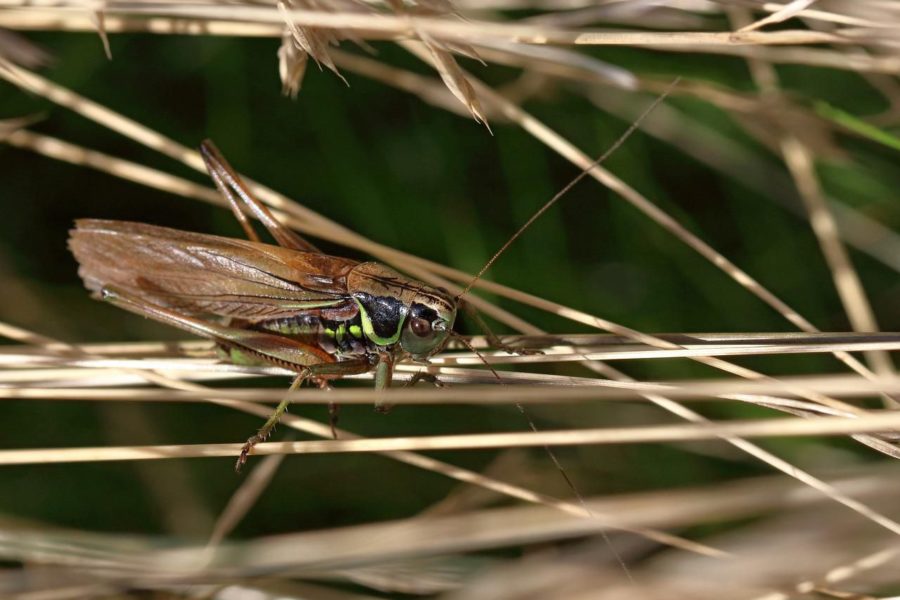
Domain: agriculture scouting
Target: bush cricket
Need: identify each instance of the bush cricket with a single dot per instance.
(289, 305)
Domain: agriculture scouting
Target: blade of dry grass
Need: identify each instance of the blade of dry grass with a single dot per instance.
(254, 20)
(124, 169)
(846, 280)
(840, 573)
(809, 57)
(788, 11)
(848, 386)
(799, 161)
(469, 531)
(781, 427)
(426, 88)
(696, 139)
(454, 78)
(81, 22)
(830, 16)
(377, 544)
(556, 354)
(243, 499)
(17, 49)
(715, 341)
(374, 26)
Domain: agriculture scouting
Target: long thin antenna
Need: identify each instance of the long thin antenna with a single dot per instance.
(622, 138)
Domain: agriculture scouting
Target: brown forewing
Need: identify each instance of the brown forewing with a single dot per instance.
(205, 273)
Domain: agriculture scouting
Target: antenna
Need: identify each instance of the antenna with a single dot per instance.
(622, 139)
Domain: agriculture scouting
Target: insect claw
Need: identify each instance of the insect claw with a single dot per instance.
(427, 377)
(245, 451)
(527, 352)
(242, 459)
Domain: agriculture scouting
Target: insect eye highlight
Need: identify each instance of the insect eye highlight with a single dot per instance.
(421, 327)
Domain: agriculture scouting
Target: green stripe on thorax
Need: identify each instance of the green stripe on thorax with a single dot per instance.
(369, 330)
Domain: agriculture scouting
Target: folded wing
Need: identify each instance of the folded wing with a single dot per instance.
(206, 273)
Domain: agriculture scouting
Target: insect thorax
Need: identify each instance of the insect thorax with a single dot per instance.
(372, 320)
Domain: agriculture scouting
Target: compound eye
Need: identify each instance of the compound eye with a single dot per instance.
(421, 327)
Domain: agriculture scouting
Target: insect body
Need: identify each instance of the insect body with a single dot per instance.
(290, 305)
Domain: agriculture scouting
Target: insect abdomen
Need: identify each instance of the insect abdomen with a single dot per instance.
(343, 337)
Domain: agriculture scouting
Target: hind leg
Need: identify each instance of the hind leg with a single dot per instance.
(266, 430)
(320, 374)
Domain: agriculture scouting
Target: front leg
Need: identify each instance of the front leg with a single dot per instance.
(384, 374)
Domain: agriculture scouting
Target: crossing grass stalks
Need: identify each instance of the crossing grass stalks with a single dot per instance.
(650, 503)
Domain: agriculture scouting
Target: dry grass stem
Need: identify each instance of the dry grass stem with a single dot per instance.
(847, 386)
(374, 26)
(799, 160)
(782, 427)
(485, 528)
(242, 502)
